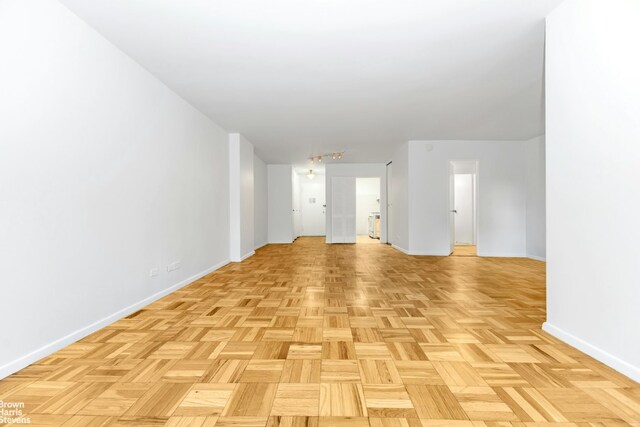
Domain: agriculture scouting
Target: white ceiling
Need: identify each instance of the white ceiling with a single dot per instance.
(300, 77)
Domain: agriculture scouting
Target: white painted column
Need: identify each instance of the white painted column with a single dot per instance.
(593, 179)
(241, 198)
(280, 203)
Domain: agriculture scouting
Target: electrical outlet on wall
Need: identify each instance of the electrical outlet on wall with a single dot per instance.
(153, 272)
(174, 266)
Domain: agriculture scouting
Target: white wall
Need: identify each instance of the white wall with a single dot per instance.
(390, 219)
(358, 170)
(260, 204)
(367, 201)
(501, 198)
(241, 198)
(280, 204)
(593, 176)
(536, 205)
(465, 167)
(399, 199)
(106, 174)
(295, 201)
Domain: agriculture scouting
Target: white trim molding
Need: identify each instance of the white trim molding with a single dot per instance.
(245, 256)
(413, 253)
(501, 255)
(608, 359)
(537, 258)
(259, 245)
(398, 248)
(46, 350)
(425, 253)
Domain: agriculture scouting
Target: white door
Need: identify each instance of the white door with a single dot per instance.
(313, 208)
(343, 210)
(452, 210)
(464, 209)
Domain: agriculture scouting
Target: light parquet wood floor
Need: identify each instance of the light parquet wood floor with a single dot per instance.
(345, 335)
(464, 250)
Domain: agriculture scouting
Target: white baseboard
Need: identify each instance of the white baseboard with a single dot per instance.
(403, 250)
(501, 255)
(428, 253)
(243, 257)
(259, 245)
(416, 253)
(537, 258)
(46, 350)
(608, 359)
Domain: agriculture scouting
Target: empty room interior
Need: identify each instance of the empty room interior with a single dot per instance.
(320, 213)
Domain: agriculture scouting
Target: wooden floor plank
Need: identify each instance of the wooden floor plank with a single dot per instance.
(316, 335)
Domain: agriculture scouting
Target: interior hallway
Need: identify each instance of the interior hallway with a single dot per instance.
(366, 240)
(329, 332)
(464, 250)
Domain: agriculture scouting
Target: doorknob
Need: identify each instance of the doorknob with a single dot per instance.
(454, 211)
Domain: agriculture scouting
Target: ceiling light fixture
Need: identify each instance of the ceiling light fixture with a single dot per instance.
(311, 174)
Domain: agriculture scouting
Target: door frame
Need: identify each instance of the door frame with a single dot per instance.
(358, 170)
(476, 202)
(389, 205)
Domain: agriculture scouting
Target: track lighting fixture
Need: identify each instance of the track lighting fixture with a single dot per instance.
(334, 156)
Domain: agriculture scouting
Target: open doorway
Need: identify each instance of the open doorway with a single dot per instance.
(346, 206)
(463, 200)
(368, 210)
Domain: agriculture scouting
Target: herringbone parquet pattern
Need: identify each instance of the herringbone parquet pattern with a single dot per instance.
(345, 335)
